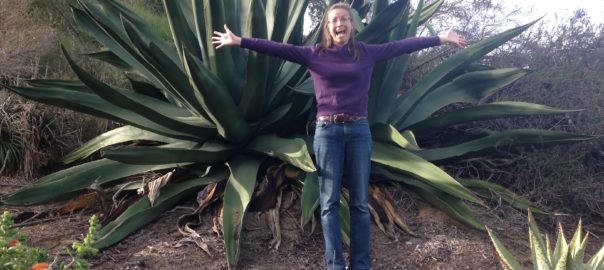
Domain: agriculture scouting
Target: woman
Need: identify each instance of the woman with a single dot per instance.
(341, 70)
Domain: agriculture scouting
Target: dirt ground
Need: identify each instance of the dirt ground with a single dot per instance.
(442, 242)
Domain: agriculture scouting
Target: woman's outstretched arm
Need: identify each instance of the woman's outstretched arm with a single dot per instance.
(296, 54)
(388, 50)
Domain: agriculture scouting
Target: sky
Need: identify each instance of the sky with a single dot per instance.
(564, 8)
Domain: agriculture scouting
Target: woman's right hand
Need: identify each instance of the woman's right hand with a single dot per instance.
(225, 39)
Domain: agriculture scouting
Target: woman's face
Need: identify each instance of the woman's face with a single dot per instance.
(339, 24)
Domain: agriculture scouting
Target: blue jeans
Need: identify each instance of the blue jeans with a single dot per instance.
(343, 151)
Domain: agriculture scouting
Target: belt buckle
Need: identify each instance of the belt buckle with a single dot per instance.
(339, 118)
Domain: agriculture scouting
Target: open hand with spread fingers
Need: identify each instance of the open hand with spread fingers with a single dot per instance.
(453, 38)
(225, 39)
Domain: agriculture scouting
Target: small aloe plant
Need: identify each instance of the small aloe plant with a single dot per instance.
(564, 256)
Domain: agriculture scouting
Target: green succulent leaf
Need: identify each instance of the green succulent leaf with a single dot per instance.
(597, 261)
(501, 140)
(468, 88)
(237, 195)
(178, 152)
(292, 151)
(143, 212)
(151, 108)
(115, 136)
(384, 22)
(559, 256)
(489, 111)
(310, 197)
(408, 163)
(216, 101)
(220, 62)
(65, 183)
(388, 134)
(451, 67)
(505, 257)
(92, 104)
(495, 192)
(344, 217)
(254, 95)
(109, 57)
(576, 249)
(538, 248)
(453, 206)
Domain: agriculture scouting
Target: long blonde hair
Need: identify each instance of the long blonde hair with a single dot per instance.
(327, 41)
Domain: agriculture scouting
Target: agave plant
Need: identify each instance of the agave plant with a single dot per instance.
(565, 255)
(223, 114)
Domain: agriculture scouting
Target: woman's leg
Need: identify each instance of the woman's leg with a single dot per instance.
(329, 155)
(357, 169)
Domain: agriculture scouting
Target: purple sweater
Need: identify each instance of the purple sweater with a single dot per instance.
(341, 83)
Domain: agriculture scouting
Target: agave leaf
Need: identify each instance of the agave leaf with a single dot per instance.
(273, 118)
(427, 12)
(169, 68)
(505, 257)
(92, 104)
(501, 140)
(597, 261)
(70, 85)
(378, 6)
(222, 63)
(387, 80)
(216, 101)
(114, 11)
(453, 206)
(451, 66)
(468, 88)
(142, 212)
(576, 249)
(254, 96)
(500, 192)
(344, 217)
(147, 89)
(538, 248)
(90, 21)
(408, 163)
(156, 111)
(66, 183)
(182, 34)
(237, 195)
(109, 57)
(115, 136)
(292, 151)
(489, 111)
(559, 256)
(178, 152)
(310, 197)
(388, 134)
(383, 22)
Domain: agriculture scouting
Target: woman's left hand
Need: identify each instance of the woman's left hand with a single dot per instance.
(454, 38)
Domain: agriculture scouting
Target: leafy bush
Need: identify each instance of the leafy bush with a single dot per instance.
(14, 252)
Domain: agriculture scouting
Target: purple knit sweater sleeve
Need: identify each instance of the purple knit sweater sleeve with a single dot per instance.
(385, 51)
(293, 53)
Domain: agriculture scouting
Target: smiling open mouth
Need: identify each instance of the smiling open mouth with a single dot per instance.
(341, 33)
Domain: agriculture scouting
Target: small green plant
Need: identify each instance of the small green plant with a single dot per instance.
(564, 256)
(14, 253)
(84, 250)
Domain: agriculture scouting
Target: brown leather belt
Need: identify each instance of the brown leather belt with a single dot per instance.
(340, 118)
